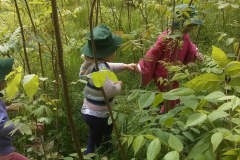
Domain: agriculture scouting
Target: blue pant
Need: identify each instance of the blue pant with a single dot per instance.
(98, 128)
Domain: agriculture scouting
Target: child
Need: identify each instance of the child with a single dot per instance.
(171, 50)
(94, 110)
(7, 151)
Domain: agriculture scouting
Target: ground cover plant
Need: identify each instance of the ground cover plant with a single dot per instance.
(204, 126)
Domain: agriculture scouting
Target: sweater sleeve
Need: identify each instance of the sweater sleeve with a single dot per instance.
(191, 52)
(148, 63)
(117, 67)
(4, 131)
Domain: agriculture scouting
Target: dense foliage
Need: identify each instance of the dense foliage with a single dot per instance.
(205, 125)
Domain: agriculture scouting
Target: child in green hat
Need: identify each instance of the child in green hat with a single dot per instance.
(7, 151)
(94, 109)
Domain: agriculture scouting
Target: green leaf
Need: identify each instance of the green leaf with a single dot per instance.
(49, 145)
(229, 41)
(145, 118)
(158, 99)
(133, 95)
(175, 143)
(146, 99)
(233, 68)
(198, 150)
(190, 101)
(179, 76)
(199, 157)
(195, 119)
(130, 140)
(153, 149)
(30, 85)
(175, 93)
(216, 139)
(151, 137)
(217, 115)
(8, 123)
(173, 155)
(205, 81)
(214, 95)
(223, 5)
(219, 57)
(225, 106)
(99, 77)
(234, 81)
(24, 129)
(188, 135)
(233, 138)
(164, 136)
(138, 143)
(12, 85)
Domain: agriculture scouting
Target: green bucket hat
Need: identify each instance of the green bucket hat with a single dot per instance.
(5, 67)
(106, 42)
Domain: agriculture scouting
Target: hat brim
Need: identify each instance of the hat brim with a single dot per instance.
(103, 51)
(5, 67)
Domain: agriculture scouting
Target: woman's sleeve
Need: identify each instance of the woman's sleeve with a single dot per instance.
(191, 52)
(148, 63)
(5, 131)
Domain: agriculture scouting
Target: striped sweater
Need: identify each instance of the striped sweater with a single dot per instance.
(94, 103)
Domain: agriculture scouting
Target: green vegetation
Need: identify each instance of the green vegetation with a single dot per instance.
(205, 125)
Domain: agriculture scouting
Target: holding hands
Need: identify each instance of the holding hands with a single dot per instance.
(132, 66)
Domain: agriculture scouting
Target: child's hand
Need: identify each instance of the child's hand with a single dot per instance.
(200, 57)
(132, 67)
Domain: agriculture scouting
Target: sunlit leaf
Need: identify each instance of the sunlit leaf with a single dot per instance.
(219, 57)
(12, 85)
(138, 143)
(153, 149)
(30, 85)
(175, 93)
(173, 155)
(216, 139)
(205, 82)
(175, 143)
(146, 99)
(195, 119)
(217, 114)
(233, 68)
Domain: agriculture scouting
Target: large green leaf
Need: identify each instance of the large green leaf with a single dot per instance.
(214, 95)
(225, 106)
(173, 155)
(153, 149)
(233, 138)
(219, 57)
(216, 139)
(175, 143)
(195, 119)
(234, 81)
(216, 115)
(99, 77)
(205, 82)
(199, 150)
(175, 93)
(146, 99)
(190, 101)
(233, 68)
(158, 99)
(30, 85)
(138, 143)
(199, 157)
(162, 135)
(12, 85)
